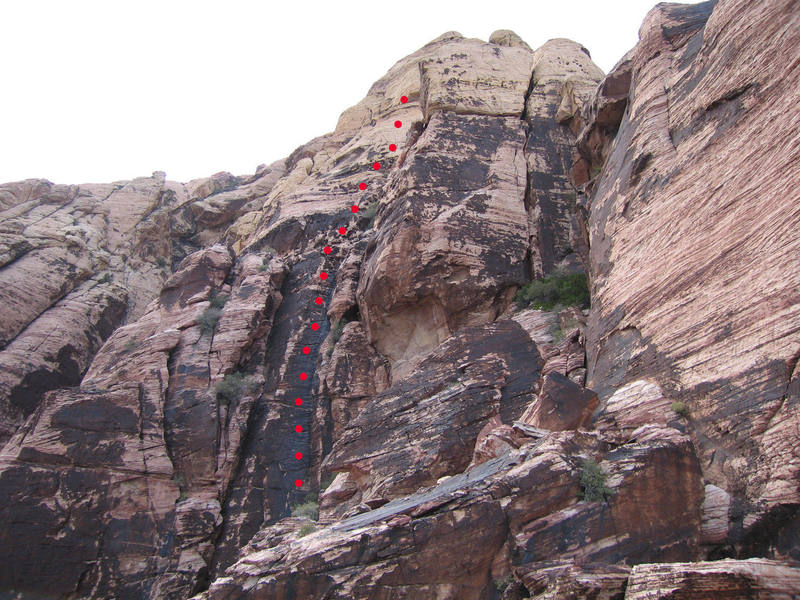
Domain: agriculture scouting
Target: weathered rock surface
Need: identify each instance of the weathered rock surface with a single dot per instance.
(756, 579)
(565, 579)
(482, 190)
(355, 374)
(716, 508)
(454, 208)
(425, 426)
(78, 261)
(183, 367)
(120, 480)
(563, 78)
(633, 405)
(517, 506)
(562, 404)
(694, 245)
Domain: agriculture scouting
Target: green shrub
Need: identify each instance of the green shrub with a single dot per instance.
(161, 262)
(569, 289)
(181, 483)
(596, 170)
(306, 529)
(502, 583)
(265, 261)
(326, 482)
(369, 214)
(593, 483)
(233, 386)
(679, 408)
(218, 300)
(336, 333)
(208, 320)
(131, 345)
(308, 509)
(106, 278)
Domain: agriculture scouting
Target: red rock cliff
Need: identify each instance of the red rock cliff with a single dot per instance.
(174, 363)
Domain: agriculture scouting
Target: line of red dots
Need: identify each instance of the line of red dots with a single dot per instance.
(323, 276)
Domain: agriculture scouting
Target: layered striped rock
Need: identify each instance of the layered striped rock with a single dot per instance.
(425, 426)
(482, 196)
(78, 261)
(694, 247)
(756, 578)
(144, 482)
(518, 513)
(121, 480)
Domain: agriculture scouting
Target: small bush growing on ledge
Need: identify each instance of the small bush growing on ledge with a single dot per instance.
(308, 509)
(326, 481)
(593, 483)
(306, 529)
(369, 214)
(568, 289)
(502, 583)
(181, 483)
(265, 261)
(232, 386)
(336, 333)
(679, 408)
(208, 320)
(131, 345)
(218, 300)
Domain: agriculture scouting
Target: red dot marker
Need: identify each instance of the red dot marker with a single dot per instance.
(398, 124)
(342, 230)
(315, 326)
(298, 455)
(392, 147)
(318, 300)
(323, 276)
(362, 186)
(298, 483)
(303, 376)
(403, 99)
(327, 249)
(376, 165)
(306, 350)
(298, 428)
(298, 401)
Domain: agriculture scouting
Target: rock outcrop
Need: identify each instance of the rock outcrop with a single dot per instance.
(76, 262)
(120, 479)
(754, 578)
(516, 508)
(693, 234)
(319, 381)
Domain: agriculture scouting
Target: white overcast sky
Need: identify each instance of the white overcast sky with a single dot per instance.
(109, 90)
